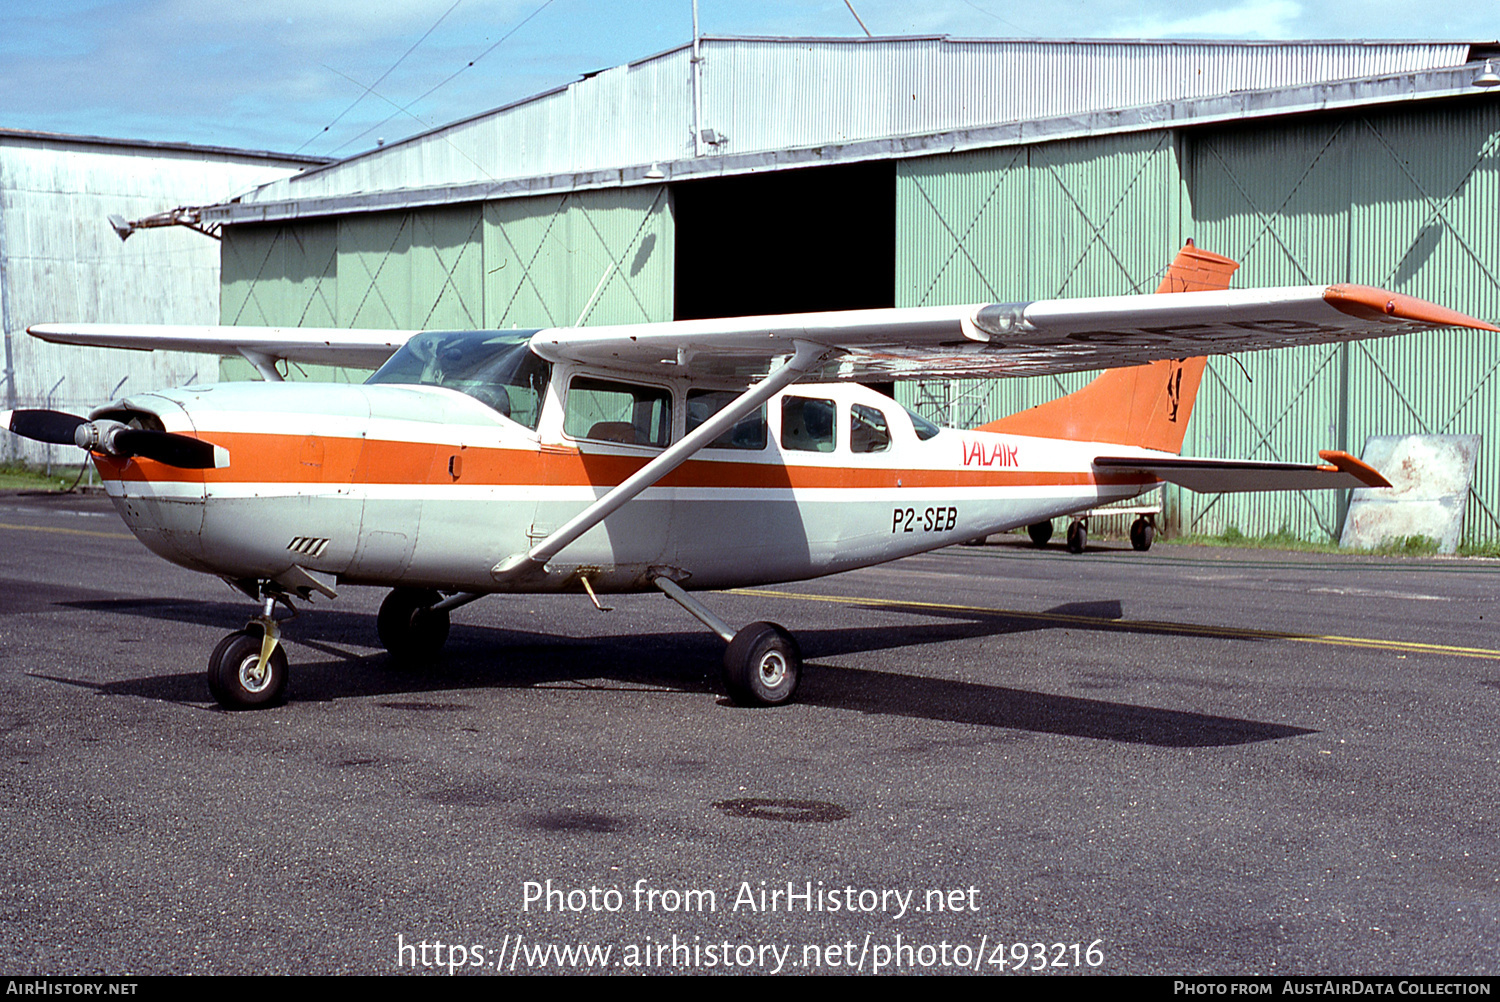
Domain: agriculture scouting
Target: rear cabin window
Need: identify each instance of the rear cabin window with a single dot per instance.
(868, 429)
(606, 411)
(749, 432)
(808, 423)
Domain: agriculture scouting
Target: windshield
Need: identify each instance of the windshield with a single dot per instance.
(497, 368)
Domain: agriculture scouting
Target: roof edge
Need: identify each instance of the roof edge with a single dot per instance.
(1448, 83)
(152, 144)
(327, 163)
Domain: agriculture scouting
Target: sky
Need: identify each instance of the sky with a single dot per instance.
(330, 77)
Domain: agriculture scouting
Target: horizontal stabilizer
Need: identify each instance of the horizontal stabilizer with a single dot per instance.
(1338, 471)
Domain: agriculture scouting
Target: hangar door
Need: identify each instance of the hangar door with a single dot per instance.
(1405, 200)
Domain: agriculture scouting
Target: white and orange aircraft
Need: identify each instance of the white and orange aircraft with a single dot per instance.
(680, 457)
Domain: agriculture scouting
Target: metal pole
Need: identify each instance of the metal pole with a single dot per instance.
(10, 369)
(697, 64)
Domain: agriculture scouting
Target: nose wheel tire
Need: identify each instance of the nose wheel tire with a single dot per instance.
(762, 666)
(1040, 532)
(236, 679)
(408, 625)
(1078, 537)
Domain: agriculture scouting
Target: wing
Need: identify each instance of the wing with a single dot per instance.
(1009, 339)
(367, 349)
(1215, 476)
(986, 340)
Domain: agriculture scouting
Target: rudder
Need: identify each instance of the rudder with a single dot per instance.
(1144, 405)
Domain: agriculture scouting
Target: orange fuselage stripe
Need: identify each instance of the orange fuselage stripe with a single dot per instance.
(269, 459)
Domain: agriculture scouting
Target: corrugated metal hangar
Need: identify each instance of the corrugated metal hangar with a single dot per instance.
(60, 259)
(755, 175)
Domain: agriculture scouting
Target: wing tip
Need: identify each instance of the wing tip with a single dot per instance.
(1369, 303)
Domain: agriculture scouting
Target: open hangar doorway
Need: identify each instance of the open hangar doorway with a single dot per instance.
(791, 241)
(794, 241)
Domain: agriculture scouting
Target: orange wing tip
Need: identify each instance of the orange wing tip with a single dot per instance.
(1342, 462)
(1369, 303)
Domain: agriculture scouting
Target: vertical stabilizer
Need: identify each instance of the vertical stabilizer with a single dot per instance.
(1145, 405)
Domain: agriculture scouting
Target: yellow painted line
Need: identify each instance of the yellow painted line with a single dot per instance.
(66, 532)
(1403, 646)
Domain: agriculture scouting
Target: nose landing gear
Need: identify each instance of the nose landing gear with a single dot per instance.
(243, 676)
(248, 670)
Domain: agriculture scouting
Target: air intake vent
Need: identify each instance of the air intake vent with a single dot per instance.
(308, 546)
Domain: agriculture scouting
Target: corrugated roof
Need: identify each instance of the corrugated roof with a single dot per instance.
(32, 135)
(780, 102)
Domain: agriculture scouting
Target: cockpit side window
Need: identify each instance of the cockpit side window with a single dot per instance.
(808, 424)
(749, 432)
(606, 411)
(497, 368)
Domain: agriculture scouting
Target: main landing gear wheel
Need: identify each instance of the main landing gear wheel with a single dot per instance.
(408, 625)
(1040, 532)
(235, 677)
(762, 666)
(1142, 532)
(1078, 537)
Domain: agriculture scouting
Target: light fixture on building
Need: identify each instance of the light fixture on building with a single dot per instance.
(183, 215)
(655, 173)
(1487, 77)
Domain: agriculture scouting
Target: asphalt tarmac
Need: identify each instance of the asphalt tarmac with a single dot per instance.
(1187, 761)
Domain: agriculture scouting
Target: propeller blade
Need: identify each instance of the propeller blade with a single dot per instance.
(53, 427)
(167, 447)
(114, 438)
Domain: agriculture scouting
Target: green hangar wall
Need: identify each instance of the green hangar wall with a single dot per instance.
(554, 260)
(1407, 199)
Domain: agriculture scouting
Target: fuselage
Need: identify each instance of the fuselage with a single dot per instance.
(425, 486)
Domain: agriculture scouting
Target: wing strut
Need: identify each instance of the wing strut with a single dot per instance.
(808, 357)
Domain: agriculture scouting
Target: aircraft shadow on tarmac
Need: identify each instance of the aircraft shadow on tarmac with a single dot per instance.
(483, 657)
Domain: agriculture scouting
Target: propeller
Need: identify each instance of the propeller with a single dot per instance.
(115, 438)
(53, 427)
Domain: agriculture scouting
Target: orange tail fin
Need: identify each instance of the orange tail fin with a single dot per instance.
(1145, 405)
